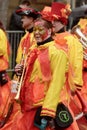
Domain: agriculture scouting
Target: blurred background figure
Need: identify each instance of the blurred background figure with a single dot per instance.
(15, 20)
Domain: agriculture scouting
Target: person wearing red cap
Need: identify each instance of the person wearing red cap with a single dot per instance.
(42, 85)
(28, 15)
(73, 48)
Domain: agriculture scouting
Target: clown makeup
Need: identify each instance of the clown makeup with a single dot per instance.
(41, 32)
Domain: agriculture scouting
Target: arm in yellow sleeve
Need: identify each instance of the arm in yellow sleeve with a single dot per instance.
(78, 63)
(76, 59)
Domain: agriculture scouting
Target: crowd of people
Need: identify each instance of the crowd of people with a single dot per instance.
(51, 71)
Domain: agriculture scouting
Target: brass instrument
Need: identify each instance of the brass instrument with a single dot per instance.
(82, 38)
(23, 61)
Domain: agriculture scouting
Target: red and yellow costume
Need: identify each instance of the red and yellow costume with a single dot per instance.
(28, 39)
(83, 26)
(26, 42)
(83, 121)
(5, 91)
(42, 85)
(4, 51)
(74, 50)
(4, 64)
(46, 79)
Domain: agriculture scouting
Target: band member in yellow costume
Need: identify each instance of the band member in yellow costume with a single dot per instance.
(72, 46)
(44, 78)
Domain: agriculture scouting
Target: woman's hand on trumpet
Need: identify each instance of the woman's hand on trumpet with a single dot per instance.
(19, 69)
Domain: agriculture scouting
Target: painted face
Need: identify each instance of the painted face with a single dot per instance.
(41, 33)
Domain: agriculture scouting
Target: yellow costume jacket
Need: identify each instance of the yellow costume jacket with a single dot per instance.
(74, 50)
(44, 78)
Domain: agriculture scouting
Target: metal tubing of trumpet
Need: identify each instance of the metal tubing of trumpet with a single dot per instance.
(84, 43)
(79, 116)
(79, 33)
(82, 38)
(23, 61)
(20, 84)
(76, 30)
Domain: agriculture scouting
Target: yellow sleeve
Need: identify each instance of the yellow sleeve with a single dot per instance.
(58, 65)
(76, 59)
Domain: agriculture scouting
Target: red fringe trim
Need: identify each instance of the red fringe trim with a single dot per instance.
(48, 114)
(48, 109)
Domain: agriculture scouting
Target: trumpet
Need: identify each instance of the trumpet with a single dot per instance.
(23, 61)
(82, 38)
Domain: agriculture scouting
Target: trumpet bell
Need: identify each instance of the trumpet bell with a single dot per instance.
(82, 38)
(76, 30)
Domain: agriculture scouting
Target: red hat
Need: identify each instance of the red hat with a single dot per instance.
(46, 13)
(61, 11)
(28, 12)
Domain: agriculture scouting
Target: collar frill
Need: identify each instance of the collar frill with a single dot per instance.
(61, 41)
